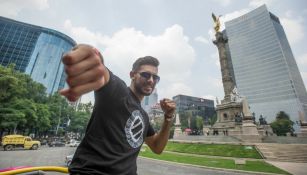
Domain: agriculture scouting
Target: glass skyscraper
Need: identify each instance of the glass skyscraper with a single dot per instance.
(35, 50)
(150, 101)
(264, 67)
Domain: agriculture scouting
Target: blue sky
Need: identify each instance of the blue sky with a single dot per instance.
(178, 32)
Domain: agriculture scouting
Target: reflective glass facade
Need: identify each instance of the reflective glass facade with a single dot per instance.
(35, 50)
(150, 101)
(202, 107)
(264, 67)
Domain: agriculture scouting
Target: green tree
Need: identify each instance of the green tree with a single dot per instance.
(184, 120)
(60, 111)
(10, 85)
(10, 119)
(43, 119)
(85, 107)
(199, 123)
(79, 122)
(282, 124)
(28, 108)
(213, 119)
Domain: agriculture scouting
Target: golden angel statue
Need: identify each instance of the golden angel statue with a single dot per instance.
(217, 23)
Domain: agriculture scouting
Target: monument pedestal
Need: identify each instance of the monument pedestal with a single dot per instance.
(236, 131)
(177, 131)
(250, 132)
(226, 113)
(303, 133)
(206, 130)
(265, 130)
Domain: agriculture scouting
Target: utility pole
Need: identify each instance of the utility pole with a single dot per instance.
(58, 125)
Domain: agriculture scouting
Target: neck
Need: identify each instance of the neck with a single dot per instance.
(138, 95)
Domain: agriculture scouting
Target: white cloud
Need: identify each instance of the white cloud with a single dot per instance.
(302, 60)
(225, 18)
(211, 33)
(11, 8)
(232, 15)
(210, 97)
(302, 64)
(304, 77)
(216, 58)
(289, 14)
(120, 50)
(202, 39)
(175, 89)
(89, 97)
(257, 3)
(215, 81)
(294, 29)
(223, 2)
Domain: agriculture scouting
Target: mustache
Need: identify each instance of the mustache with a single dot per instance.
(149, 84)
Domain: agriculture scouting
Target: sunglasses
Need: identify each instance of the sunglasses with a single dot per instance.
(148, 75)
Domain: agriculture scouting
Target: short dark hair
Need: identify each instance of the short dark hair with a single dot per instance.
(147, 60)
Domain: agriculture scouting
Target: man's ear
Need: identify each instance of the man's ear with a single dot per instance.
(132, 75)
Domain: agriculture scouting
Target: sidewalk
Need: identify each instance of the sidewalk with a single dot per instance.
(293, 168)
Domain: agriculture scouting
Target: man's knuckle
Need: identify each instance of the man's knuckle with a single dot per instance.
(70, 70)
(100, 70)
(68, 59)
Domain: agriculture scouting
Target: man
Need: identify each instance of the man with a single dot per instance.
(118, 125)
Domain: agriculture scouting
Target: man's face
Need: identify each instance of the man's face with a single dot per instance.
(145, 79)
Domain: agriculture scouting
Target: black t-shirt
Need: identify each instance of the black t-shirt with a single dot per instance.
(114, 134)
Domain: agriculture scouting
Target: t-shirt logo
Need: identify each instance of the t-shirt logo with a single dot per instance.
(134, 129)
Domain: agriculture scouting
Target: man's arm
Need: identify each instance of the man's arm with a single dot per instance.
(85, 71)
(158, 141)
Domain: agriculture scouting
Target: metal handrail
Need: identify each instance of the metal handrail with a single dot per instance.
(31, 169)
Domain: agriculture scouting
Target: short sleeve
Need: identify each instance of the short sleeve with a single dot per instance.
(112, 91)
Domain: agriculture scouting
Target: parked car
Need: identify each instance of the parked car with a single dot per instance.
(44, 142)
(74, 143)
(56, 144)
(68, 159)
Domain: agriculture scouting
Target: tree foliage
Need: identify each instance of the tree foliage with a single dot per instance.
(26, 108)
(282, 124)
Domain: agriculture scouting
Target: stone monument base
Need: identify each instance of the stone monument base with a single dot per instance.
(177, 132)
(226, 113)
(237, 130)
(249, 132)
(265, 130)
(303, 133)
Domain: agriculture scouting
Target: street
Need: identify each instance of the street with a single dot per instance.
(55, 156)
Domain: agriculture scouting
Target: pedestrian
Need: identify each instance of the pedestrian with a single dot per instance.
(118, 125)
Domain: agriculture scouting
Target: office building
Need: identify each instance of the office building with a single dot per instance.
(149, 101)
(200, 106)
(35, 50)
(264, 67)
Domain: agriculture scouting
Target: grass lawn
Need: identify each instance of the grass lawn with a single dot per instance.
(224, 150)
(258, 166)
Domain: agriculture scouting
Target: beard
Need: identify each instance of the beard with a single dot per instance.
(144, 88)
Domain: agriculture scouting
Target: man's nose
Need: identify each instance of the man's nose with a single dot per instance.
(151, 79)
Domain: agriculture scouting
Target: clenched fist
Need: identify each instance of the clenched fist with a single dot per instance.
(168, 107)
(85, 71)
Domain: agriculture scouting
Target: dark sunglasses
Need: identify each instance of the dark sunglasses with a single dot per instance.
(148, 75)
